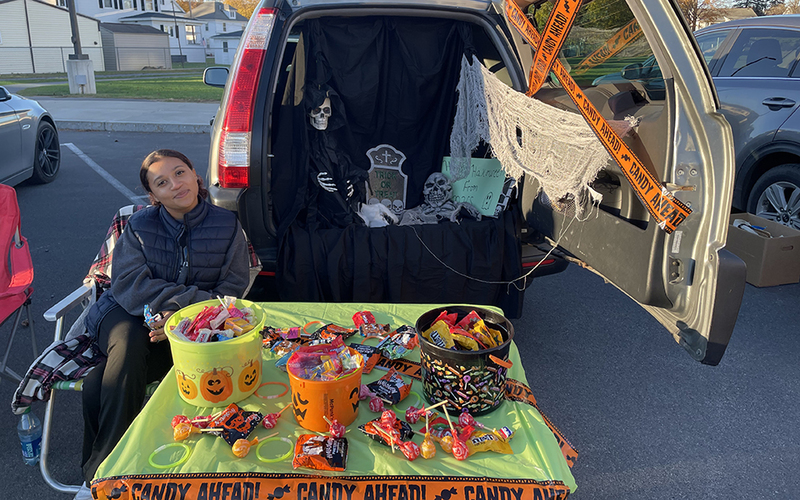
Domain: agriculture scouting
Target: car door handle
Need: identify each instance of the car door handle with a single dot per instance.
(778, 102)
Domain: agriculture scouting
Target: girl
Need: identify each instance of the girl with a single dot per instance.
(177, 252)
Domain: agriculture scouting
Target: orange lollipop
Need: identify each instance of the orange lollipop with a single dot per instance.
(447, 443)
(183, 430)
(242, 447)
(427, 449)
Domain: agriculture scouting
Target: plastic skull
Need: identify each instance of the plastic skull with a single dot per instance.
(437, 190)
(319, 115)
(397, 206)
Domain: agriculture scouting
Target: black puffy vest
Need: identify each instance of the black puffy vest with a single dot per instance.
(209, 233)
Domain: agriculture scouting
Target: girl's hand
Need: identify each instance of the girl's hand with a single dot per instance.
(157, 335)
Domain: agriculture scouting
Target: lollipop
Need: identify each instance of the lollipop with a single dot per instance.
(428, 449)
(466, 419)
(365, 393)
(177, 419)
(271, 419)
(337, 430)
(460, 450)
(413, 414)
(410, 450)
(242, 447)
(376, 404)
(388, 418)
(183, 430)
(447, 443)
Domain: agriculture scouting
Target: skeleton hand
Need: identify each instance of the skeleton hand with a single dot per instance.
(350, 189)
(326, 182)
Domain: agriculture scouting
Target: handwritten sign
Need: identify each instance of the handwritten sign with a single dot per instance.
(482, 187)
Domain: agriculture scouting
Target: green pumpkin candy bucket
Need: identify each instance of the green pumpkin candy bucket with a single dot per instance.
(211, 374)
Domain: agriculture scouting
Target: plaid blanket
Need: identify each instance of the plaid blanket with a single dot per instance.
(73, 357)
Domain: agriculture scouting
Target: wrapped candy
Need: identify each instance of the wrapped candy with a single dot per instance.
(320, 452)
(466, 419)
(428, 448)
(376, 404)
(459, 449)
(271, 419)
(413, 414)
(242, 447)
(177, 419)
(410, 450)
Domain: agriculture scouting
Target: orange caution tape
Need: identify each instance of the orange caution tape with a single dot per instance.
(667, 210)
(555, 32)
(613, 45)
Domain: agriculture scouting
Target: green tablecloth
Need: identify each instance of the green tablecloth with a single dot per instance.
(537, 469)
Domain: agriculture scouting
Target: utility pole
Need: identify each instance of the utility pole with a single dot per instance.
(177, 31)
(80, 71)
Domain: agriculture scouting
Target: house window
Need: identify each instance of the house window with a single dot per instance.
(127, 4)
(224, 27)
(148, 5)
(108, 4)
(62, 3)
(206, 26)
(191, 34)
(225, 47)
(171, 32)
(162, 27)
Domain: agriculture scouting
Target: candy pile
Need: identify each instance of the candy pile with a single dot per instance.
(216, 323)
(324, 362)
(471, 333)
(317, 452)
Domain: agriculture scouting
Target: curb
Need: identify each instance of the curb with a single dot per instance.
(93, 126)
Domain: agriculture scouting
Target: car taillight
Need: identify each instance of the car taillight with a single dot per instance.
(235, 138)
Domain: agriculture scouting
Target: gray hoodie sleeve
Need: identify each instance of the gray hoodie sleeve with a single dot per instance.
(133, 285)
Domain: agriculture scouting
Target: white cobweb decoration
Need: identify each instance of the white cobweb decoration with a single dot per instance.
(555, 146)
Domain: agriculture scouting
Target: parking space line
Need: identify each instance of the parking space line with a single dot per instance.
(137, 200)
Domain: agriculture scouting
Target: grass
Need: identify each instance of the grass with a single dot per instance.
(190, 88)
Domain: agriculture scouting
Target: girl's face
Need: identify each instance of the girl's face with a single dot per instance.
(174, 185)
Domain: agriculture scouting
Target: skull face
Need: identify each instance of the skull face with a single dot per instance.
(437, 190)
(397, 206)
(319, 116)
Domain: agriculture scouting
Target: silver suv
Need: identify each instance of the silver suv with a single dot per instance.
(382, 76)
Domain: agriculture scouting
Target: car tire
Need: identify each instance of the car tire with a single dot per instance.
(46, 155)
(776, 195)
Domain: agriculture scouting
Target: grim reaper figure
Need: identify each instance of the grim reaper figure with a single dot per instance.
(438, 205)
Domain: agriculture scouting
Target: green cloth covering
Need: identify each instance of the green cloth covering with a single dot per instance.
(536, 451)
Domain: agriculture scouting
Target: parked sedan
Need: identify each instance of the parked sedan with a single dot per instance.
(29, 140)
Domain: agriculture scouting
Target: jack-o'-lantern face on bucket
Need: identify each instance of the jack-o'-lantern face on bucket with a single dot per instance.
(250, 376)
(186, 385)
(216, 385)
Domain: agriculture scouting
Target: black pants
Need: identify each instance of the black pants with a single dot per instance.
(114, 391)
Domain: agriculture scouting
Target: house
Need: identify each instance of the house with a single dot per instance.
(223, 47)
(131, 47)
(36, 37)
(110, 11)
(185, 44)
(724, 15)
(218, 19)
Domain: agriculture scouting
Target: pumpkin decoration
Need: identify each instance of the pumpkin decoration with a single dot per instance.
(250, 376)
(186, 385)
(216, 385)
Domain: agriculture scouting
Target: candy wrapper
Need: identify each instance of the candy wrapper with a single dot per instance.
(391, 388)
(484, 440)
(313, 451)
(439, 335)
(363, 318)
(402, 430)
(235, 423)
(370, 354)
(324, 362)
(399, 343)
(326, 334)
(215, 323)
(373, 330)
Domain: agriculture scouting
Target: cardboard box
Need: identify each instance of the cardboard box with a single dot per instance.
(770, 261)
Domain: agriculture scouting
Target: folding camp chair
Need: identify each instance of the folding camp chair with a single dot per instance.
(16, 274)
(64, 364)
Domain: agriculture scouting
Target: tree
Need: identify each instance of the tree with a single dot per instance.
(697, 11)
(787, 7)
(243, 7)
(760, 7)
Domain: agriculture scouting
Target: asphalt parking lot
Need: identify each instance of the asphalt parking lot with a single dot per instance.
(648, 421)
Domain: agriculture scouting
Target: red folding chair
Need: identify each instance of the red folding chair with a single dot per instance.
(16, 274)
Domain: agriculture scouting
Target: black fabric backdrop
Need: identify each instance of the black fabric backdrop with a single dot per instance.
(393, 82)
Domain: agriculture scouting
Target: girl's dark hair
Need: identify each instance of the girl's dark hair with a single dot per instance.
(160, 154)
